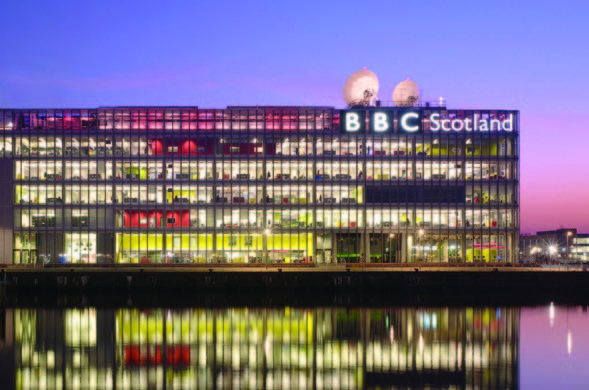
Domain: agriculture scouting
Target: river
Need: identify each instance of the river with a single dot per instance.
(294, 347)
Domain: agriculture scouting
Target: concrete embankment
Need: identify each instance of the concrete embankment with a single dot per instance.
(302, 279)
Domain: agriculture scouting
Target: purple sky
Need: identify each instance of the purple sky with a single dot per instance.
(531, 56)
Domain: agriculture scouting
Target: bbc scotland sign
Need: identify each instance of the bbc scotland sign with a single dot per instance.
(382, 121)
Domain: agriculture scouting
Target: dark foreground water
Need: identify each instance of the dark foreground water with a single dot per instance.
(539, 347)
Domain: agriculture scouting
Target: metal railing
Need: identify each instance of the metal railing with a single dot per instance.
(419, 104)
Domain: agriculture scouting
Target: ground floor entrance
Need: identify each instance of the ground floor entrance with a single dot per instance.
(415, 246)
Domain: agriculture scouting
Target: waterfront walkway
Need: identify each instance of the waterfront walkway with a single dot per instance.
(307, 268)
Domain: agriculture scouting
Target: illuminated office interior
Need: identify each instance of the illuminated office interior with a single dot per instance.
(251, 185)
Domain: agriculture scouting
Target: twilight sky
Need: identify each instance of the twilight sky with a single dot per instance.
(526, 55)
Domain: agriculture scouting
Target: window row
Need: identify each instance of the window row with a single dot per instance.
(50, 194)
(276, 247)
(92, 247)
(168, 119)
(68, 218)
(254, 170)
(496, 193)
(228, 146)
(267, 219)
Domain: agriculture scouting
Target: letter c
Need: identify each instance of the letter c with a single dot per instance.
(405, 125)
(446, 124)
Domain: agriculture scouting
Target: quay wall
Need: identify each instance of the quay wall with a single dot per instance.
(302, 280)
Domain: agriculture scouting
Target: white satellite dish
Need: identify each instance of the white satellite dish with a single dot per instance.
(406, 93)
(361, 88)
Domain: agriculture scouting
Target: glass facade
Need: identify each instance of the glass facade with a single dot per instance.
(254, 185)
(579, 249)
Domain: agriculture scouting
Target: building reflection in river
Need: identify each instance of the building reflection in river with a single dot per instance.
(263, 348)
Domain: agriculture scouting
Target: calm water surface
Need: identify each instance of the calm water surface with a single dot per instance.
(541, 347)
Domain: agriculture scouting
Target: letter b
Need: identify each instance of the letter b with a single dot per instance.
(381, 123)
(352, 121)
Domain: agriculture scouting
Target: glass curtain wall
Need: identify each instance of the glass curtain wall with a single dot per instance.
(253, 185)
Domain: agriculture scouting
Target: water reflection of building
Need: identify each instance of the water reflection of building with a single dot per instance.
(319, 348)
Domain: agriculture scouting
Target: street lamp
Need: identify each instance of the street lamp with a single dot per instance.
(391, 236)
(267, 233)
(421, 233)
(552, 250)
(569, 235)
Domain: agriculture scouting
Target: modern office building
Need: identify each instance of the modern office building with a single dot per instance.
(548, 244)
(259, 184)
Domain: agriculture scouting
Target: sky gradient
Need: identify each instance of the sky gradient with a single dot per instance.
(530, 56)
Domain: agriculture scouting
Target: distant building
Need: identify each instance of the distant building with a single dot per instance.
(564, 243)
(580, 247)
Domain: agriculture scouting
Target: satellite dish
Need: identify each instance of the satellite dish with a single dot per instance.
(361, 88)
(406, 93)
